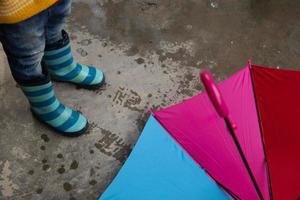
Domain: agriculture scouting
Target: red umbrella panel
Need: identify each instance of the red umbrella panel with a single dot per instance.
(278, 99)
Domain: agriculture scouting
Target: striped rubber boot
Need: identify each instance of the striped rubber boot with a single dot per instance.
(63, 67)
(47, 109)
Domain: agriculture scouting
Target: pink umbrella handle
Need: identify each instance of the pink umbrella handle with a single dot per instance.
(220, 105)
(216, 97)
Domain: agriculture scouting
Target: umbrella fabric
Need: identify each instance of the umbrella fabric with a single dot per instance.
(159, 169)
(198, 128)
(187, 149)
(278, 98)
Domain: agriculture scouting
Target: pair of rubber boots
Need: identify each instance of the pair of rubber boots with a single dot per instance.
(59, 65)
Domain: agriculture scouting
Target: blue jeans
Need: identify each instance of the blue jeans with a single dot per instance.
(24, 42)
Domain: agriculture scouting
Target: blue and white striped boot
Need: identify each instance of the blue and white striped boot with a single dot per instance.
(47, 109)
(63, 67)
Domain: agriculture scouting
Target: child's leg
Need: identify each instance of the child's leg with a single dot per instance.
(24, 45)
(58, 55)
(56, 21)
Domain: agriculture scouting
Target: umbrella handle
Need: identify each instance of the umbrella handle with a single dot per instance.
(220, 105)
(216, 97)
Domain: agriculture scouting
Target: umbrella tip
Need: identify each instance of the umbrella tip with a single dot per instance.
(150, 111)
(250, 63)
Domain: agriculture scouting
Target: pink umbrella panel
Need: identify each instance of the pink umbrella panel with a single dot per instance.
(202, 132)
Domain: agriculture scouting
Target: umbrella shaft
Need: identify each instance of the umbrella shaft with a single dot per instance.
(233, 135)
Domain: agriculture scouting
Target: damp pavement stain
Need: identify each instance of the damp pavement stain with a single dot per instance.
(7, 186)
(61, 170)
(67, 187)
(151, 53)
(74, 165)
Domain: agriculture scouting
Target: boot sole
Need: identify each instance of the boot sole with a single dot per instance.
(88, 87)
(73, 134)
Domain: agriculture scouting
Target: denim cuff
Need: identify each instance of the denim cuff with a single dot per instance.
(59, 44)
(39, 80)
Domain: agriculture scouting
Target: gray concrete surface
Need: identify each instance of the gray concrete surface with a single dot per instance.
(151, 52)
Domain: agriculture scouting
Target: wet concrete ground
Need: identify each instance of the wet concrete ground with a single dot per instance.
(151, 52)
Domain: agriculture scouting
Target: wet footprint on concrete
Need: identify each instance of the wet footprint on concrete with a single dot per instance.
(92, 127)
(113, 145)
(98, 91)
